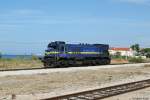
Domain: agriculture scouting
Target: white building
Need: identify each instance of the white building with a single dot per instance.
(123, 51)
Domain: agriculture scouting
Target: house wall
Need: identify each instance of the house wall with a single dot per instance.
(123, 53)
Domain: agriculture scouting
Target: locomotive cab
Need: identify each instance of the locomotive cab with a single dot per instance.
(55, 47)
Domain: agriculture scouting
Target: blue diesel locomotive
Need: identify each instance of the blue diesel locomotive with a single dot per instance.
(60, 54)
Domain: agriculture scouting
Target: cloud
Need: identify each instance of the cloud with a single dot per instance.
(134, 1)
(21, 12)
(20, 18)
(25, 12)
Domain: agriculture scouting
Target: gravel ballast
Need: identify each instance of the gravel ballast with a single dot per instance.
(38, 86)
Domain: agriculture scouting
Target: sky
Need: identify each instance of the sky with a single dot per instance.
(27, 26)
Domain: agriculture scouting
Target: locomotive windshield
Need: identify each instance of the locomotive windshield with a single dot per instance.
(52, 46)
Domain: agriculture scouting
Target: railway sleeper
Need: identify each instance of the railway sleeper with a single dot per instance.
(74, 98)
(97, 96)
(88, 98)
(92, 96)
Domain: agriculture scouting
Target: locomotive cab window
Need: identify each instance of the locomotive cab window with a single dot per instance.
(62, 48)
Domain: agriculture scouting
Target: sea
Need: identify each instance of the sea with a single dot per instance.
(17, 56)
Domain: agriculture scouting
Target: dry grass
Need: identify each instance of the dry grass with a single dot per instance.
(19, 63)
(147, 65)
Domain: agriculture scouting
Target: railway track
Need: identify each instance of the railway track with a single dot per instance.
(102, 93)
(20, 69)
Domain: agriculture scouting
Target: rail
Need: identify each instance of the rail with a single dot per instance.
(102, 93)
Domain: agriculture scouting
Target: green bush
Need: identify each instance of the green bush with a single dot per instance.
(0, 55)
(34, 57)
(136, 60)
(119, 57)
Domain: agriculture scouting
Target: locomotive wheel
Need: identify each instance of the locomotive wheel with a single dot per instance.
(98, 62)
(71, 62)
(74, 63)
(106, 61)
(63, 63)
(46, 65)
(89, 63)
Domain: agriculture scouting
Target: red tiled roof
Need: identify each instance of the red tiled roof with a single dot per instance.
(120, 49)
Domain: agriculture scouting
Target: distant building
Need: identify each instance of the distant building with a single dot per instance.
(123, 51)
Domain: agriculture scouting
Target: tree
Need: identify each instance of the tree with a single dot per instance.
(146, 52)
(136, 47)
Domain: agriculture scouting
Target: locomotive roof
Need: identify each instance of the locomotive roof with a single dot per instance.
(88, 45)
(80, 44)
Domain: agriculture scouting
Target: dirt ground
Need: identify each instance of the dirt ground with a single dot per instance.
(119, 61)
(70, 81)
